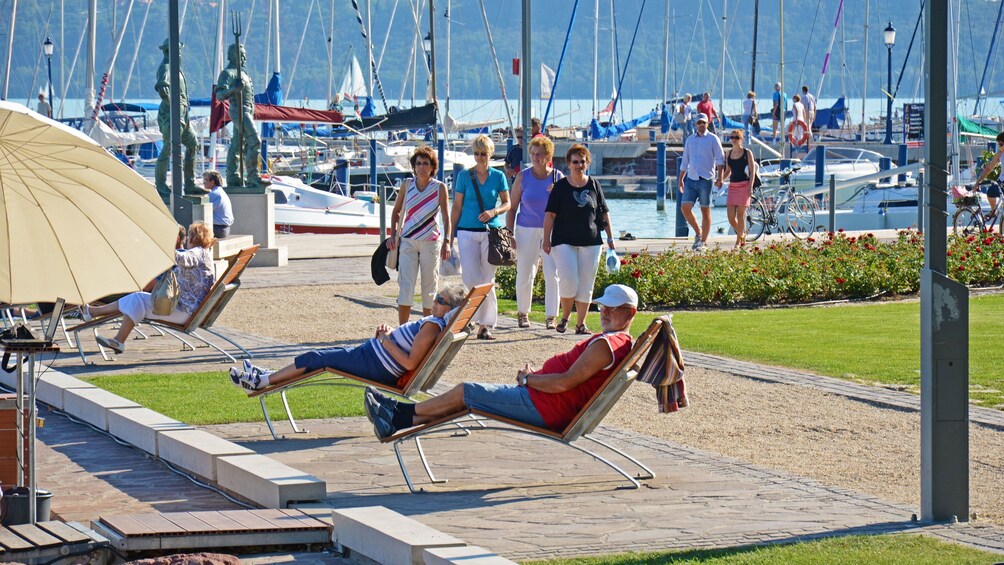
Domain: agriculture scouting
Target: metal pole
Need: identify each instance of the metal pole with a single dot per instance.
(331, 47)
(756, 26)
(32, 418)
(178, 205)
(446, 132)
(784, 138)
(902, 161)
(596, 50)
(944, 310)
(51, 101)
(525, 75)
(432, 62)
(373, 164)
(888, 95)
(10, 48)
(721, 98)
(665, 60)
(921, 202)
(382, 193)
(660, 175)
(92, 34)
(864, 66)
(681, 222)
(833, 200)
(441, 150)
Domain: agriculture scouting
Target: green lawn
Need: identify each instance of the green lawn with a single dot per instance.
(210, 398)
(874, 550)
(875, 343)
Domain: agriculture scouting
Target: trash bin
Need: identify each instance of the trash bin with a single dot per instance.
(14, 506)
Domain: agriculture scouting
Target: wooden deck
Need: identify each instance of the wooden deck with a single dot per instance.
(45, 541)
(227, 528)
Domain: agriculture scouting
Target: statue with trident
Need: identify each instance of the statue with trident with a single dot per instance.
(235, 85)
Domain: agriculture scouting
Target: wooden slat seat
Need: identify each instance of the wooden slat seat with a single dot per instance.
(202, 319)
(588, 418)
(420, 379)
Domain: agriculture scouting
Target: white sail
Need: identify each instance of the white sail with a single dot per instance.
(547, 77)
(353, 85)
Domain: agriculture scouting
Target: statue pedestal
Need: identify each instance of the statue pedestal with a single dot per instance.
(192, 209)
(254, 215)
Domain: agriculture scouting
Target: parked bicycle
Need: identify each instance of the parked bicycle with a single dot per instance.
(779, 209)
(969, 218)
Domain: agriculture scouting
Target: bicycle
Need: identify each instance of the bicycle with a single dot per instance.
(969, 219)
(770, 207)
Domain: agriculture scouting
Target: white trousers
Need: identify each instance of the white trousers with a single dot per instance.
(138, 306)
(528, 250)
(576, 268)
(418, 257)
(473, 249)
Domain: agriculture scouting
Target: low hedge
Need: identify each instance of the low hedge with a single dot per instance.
(833, 266)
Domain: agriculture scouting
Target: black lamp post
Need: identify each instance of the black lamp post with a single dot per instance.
(890, 40)
(48, 48)
(427, 45)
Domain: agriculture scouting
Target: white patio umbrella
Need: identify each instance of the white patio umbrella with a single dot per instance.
(75, 222)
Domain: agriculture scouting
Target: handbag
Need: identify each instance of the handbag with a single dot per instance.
(392, 254)
(166, 293)
(757, 183)
(501, 243)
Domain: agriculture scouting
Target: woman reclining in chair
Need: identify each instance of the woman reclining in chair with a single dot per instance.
(195, 278)
(383, 358)
(548, 398)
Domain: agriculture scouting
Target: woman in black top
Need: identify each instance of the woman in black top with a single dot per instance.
(740, 168)
(575, 215)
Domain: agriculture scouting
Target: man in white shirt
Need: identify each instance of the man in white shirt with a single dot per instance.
(223, 212)
(703, 162)
(810, 107)
(43, 107)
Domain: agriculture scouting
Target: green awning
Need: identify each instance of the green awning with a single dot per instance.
(969, 126)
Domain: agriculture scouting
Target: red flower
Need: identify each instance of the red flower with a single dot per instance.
(841, 230)
(962, 268)
(988, 241)
(948, 253)
(840, 280)
(979, 250)
(811, 240)
(662, 273)
(871, 234)
(634, 255)
(755, 270)
(636, 274)
(853, 239)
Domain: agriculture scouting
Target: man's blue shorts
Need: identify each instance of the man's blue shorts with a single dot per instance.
(694, 190)
(508, 401)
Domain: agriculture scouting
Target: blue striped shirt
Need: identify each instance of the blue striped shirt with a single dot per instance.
(404, 337)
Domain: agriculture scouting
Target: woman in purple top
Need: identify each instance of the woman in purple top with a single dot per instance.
(529, 195)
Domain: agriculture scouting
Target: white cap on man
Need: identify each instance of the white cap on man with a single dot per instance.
(618, 295)
(702, 118)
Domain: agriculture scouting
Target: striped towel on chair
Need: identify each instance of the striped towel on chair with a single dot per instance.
(663, 369)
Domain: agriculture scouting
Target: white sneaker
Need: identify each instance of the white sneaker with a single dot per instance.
(251, 378)
(697, 242)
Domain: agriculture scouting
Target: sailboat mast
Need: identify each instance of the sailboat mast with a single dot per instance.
(665, 57)
(275, 35)
(449, 19)
(596, 50)
(721, 98)
(331, 46)
(221, 11)
(10, 49)
(92, 27)
(369, 46)
(784, 139)
(756, 27)
(432, 59)
(864, 67)
(953, 84)
(525, 76)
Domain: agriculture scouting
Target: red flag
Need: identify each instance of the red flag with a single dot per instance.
(515, 66)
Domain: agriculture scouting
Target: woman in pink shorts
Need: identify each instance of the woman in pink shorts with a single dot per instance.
(740, 168)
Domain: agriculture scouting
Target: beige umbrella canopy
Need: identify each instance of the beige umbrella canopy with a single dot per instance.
(75, 222)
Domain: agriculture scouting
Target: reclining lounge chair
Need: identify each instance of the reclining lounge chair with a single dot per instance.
(580, 427)
(420, 379)
(202, 319)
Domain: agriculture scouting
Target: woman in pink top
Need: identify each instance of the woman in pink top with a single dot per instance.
(525, 218)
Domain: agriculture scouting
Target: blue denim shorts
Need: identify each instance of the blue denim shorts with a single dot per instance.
(694, 190)
(993, 190)
(508, 401)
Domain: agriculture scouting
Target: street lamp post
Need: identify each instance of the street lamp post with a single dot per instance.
(48, 48)
(890, 40)
(427, 45)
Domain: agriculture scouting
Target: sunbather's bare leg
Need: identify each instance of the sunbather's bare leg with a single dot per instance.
(124, 329)
(105, 309)
(403, 313)
(289, 372)
(439, 406)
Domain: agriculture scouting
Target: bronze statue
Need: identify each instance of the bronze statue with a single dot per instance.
(235, 85)
(164, 122)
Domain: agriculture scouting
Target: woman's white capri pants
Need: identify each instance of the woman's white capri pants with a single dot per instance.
(576, 268)
(418, 257)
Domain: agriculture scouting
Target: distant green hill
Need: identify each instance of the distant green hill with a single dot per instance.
(695, 49)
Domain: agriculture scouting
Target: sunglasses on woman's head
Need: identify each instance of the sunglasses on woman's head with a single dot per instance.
(441, 301)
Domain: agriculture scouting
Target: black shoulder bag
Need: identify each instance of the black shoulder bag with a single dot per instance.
(501, 243)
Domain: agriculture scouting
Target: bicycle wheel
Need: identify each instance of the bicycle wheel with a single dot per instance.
(756, 220)
(800, 216)
(968, 221)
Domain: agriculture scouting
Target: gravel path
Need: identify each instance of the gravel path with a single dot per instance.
(796, 429)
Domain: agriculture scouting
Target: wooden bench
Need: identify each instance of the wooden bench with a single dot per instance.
(44, 542)
(420, 379)
(211, 529)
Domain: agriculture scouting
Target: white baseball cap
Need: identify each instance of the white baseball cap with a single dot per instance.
(618, 295)
(702, 118)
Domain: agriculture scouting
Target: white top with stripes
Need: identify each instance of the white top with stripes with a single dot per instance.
(404, 337)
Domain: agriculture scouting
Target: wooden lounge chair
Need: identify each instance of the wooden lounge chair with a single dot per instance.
(420, 379)
(202, 319)
(580, 427)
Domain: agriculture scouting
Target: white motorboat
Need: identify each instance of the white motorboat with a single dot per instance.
(844, 163)
(300, 208)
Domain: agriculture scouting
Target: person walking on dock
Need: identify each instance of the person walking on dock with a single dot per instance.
(810, 107)
(707, 107)
(778, 110)
(703, 160)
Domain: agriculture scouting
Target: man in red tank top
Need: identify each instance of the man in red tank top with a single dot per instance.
(549, 397)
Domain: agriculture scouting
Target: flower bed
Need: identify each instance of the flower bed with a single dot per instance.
(833, 266)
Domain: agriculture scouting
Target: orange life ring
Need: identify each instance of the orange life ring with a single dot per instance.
(805, 133)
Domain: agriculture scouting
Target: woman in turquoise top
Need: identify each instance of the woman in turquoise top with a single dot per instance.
(472, 225)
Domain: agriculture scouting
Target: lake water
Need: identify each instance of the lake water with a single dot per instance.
(641, 219)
